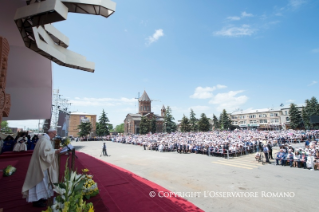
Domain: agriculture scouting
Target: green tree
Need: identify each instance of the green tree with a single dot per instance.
(295, 116)
(185, 125)
(215, 122)
(193, 121)
(144, 125)
(119, 128)
(169, 124)
(313, 107)
(85, 129)
(102, 126)
(153, 125)
(97, 129)
(305, 114)
(203, 123)
(5, 127)
(110, 127)
(225, 122)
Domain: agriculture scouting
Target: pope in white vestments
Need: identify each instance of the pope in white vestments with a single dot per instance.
(43, 169)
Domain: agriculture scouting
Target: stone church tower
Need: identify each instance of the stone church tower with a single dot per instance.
(163, 111)
(144, 104)
(132, 121)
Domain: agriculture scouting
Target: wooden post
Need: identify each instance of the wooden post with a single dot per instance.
(73, 159)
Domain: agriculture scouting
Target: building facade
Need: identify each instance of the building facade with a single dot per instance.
(76, 119)
(262, 118)
(132, 121)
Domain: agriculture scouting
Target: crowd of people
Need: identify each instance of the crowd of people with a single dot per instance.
(20, 142)
(235, 143)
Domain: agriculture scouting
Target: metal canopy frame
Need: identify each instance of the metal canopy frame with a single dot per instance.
(34, 19)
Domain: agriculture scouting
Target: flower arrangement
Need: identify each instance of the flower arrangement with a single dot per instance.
(70, 196)
(90, 188)
(8, 171)
(66, 142)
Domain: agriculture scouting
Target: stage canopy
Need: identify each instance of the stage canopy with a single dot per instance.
(29, 76)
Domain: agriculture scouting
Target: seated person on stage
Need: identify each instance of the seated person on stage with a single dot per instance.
(20, 145)
(8, 144)
(34, 142)
(42, 171)
(280, 157)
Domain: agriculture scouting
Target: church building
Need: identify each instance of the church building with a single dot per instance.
(132, 121)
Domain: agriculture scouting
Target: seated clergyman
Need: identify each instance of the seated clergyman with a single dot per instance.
(20, 145)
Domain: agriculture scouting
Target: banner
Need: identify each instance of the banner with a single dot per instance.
(85, 119)
(63, 123)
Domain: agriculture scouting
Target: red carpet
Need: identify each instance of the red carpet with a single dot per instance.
(128, 191)
(120, 190)
(16, 154)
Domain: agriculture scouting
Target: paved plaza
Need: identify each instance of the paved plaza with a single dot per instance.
(251, 186)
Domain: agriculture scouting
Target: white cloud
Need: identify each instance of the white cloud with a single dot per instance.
(234, 18)
(296, 3)
(158, 33)
(102, 101)
(237, 18)
(229, 101)
(244, 14)
(315, 50)
(205, 93)
(244, 30)
(220, 86)
(313, 83)
(290, 100)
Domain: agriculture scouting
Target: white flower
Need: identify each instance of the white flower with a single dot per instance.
(57, 206)
(73, 175)
(59, 190)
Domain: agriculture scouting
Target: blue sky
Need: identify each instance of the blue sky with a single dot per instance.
(206, 55)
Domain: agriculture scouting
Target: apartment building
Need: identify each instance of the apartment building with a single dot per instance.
(267, 118)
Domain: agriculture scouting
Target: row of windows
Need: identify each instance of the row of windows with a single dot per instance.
(261, 121)
(255, 116)
(146, 108)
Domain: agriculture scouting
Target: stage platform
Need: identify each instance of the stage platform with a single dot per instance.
(120, 190)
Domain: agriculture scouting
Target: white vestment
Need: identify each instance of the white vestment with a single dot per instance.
(44, 159)
(20, 146)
